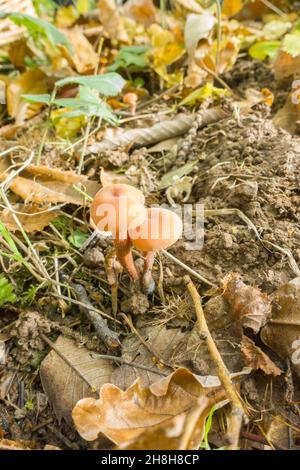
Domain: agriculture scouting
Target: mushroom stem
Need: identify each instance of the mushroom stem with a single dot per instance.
(124, 255)
(148, 281)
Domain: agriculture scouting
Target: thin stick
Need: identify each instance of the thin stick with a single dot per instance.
(188, 269)
(130, 364)
(238, 413)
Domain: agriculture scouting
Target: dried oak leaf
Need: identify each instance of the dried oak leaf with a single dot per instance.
(257, 359)
(65, 381)
(168, 435)
(31, 218)
(286, 65)
(247, 303)
(124, 415)
(142, 11)
(284, 337)
(288, 117)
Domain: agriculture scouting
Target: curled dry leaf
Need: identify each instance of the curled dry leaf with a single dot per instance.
(112, 21)
(288, 117)
(257, 359)
(84, 59)
(163, 130)
(248, 304)
(31, 218)
(124, 415)
(44, 185)
(286, 65)
(30, 82)
(284, 337)
(67, 381)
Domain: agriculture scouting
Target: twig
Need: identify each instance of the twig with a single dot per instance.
(238, 413)
(188, 269)
(131, 364)
(109, 337)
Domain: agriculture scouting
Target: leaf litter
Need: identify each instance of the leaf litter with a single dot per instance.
(189, 107)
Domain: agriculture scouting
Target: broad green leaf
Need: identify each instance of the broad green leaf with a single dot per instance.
(77, 238)
(130, 56)
(169, 178)
(39, 26)
(263, 49)
(45, 99)
(108, 84)
(291, 44)
(88, 104)
(6, 291)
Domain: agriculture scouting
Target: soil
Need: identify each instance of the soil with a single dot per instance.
(243, 162)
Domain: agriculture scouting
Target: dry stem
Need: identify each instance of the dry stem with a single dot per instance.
(238, 413)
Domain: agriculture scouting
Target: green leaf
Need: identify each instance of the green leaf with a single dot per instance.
(291, 44)
(204, 93)
(44, 99)
(88, 104)
(39, 26)
(169, 178)
(263, 49)
(108, 84)
(6, 291)
(129, 56)
(78, 238)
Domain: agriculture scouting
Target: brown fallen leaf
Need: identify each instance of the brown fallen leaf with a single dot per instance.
(31, 218)
(167, 344)
(285, 65)
(112, 22)
(257, 359)
(124, 415)
(283, 337)
(7, 444)
(248, 304)
(30, 82)
(142, 11)
(67, 382)
(44, 185)
(83, 59)
(288, 117)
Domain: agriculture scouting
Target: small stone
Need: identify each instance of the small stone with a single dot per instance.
(93, 258)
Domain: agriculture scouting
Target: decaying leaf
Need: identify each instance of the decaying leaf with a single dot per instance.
(257, 359)
(83, 59)
(286, 65)
(288, 117)
(167, 344)
(125, 415)
(142, 11)
(112, 21)
(31, 218)
(67, 382)
(284, 337)
(248, 304)
(30, 82)
(163, 130)
(44, 185)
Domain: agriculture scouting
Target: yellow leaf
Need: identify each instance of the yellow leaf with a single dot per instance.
(166, 50)
(204, 93)
(67, 127)
(66, 16)
(232, 7)
(30, 82)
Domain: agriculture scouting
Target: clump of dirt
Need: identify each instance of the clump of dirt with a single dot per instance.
(250, 165)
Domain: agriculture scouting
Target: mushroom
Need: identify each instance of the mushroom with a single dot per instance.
(118, 208)
(161, 229)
